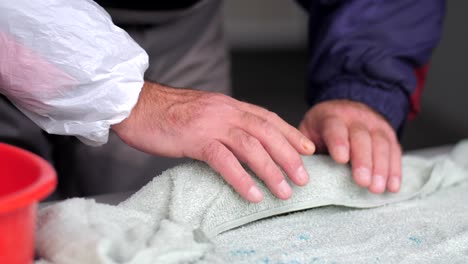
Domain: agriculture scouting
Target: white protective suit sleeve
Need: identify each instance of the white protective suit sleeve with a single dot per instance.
(67, 67)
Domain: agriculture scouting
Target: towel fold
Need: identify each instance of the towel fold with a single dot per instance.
(173, 218)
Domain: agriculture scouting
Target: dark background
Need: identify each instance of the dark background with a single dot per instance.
(269, 58)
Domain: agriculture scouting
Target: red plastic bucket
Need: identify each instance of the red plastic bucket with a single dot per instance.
(24, 179)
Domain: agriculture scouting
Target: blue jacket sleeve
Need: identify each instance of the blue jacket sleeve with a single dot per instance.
(368, 50)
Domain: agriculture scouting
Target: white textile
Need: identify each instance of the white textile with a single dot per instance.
(181, 215)
(67, 67)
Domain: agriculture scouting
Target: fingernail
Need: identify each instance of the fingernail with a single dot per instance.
(363, 175)
(284, 190)
(254, 194)
(394, 184)
(378, 183)
(302, 176)
(307, 145)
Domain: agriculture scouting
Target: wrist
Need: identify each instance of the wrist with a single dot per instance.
(125, 126)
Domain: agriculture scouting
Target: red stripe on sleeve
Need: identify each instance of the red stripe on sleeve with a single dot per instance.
(415, 100)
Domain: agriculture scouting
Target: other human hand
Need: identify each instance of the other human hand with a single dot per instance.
(221, 131)
(352, 131)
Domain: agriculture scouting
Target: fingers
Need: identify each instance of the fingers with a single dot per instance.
(262, 140)
(351, 131)
(375, 156)
(380, 161)
(303, 129)
(361, 155)
(278, 147)
(249, 150)
(223, 161)
(394, 180)
(300, 142)
(375, 159)
(335, 136)
(307, 129)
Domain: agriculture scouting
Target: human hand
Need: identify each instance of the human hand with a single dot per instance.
(221, 131)
(352, 131)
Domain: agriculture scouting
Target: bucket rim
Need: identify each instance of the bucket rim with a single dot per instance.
(37, 190)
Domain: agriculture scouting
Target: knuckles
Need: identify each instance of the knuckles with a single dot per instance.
(245, 141)
(244, 180)
(213, 152)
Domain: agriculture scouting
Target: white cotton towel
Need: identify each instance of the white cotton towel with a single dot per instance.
(83, 231)
(431, 229)
(174, 217)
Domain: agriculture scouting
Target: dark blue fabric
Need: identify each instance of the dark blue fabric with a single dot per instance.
(367, 51)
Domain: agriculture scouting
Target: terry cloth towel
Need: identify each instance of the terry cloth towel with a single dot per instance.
(175, 218)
